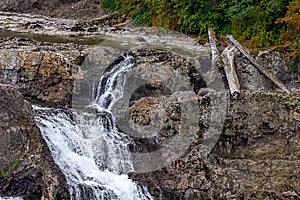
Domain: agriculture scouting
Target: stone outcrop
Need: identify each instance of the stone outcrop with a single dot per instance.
(256, 157)
(168, 68)
(26, 166)
(276, 61)
(42, 72)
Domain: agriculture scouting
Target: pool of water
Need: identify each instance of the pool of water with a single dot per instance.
(78, 39)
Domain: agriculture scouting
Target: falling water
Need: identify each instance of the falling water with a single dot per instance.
(87, 146)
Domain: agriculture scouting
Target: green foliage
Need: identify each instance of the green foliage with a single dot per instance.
(258, 23)
(110, 4)
(197, 16)
(255, 21)
(235, 7)
(292, 20)
(142, 15)
(291, 32)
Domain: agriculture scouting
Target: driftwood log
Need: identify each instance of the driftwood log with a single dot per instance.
(225, 61)
(257, 65)
(227, 57)
(214, 79)
(216, 62)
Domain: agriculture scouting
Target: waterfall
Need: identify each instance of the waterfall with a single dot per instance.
(87, 146)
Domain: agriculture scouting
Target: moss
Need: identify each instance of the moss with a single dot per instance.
(32, 197)
(225, 127)
(2, 173)
(79, 60)
(54, 194)
(295, 64)
(13, 166)
(16, 163)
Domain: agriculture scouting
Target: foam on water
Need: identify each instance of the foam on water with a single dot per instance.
(88, 148)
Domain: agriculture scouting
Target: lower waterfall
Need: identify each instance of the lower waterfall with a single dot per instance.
(87, 146)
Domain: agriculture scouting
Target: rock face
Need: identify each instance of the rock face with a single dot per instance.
(256, 157)
(95, 64)
(26, 166)
(44, 73)
(170, 69)
(55, 8)
(276, 61)
(165, 76)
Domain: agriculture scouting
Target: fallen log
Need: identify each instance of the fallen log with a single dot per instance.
(225, 61)
(227, 57)
(257, 65)
(216, 62)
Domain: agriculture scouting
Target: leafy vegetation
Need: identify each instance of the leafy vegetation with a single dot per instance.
(260, 22)
(292, 32)
(258, 25)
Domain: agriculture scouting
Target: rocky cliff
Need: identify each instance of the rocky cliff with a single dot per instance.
(256, 157)
(257, 153)
(26, 166)
(40, 71)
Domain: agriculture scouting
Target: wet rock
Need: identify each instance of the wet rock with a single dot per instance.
(149, 111)
(92, 29)
(26, 166)
(32, 25)
(205, 91)
(278, 61)
(250, 78)
(257, 156)
(163, 80)
(94, 66)
(113, 19)
(77, 28)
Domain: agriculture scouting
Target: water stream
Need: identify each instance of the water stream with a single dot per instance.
(88, 147)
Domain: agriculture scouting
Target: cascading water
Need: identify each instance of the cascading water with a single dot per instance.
(87, 146)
